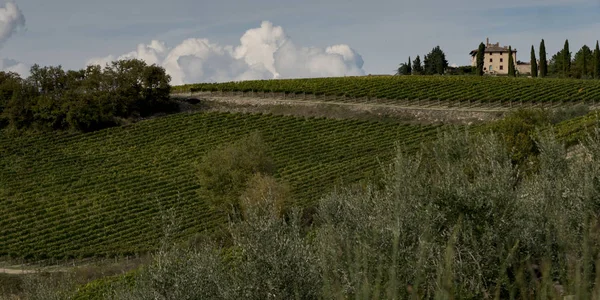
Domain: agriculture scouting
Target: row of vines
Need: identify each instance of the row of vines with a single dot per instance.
(489, 91)
(73, 195)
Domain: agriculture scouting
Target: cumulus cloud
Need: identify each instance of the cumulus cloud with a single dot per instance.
(11, 65)
(263, 53)
(11, 19)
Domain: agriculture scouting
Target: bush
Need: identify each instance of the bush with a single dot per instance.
(452, 221)
(85, 100)
(223, 173)
(264, 196)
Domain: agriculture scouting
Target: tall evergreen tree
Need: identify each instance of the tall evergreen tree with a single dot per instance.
(534, 65)
(543, 61)
(435, 62)
(583, 66)
(402, 69)
(480, 59)
(511, 63)
(566, 59)
(408, 66)
(597, 61)
(417, 67)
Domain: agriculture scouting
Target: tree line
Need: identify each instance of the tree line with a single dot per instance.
(433, 63)
(584, 64)
(84, 100)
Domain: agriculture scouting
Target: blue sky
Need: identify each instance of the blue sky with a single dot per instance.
(384, 33)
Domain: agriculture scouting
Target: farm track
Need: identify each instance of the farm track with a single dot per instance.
(239, 98)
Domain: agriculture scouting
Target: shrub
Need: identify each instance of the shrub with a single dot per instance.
(223, 173)
(264, 196)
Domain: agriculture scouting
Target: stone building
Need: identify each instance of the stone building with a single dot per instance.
(496, 59)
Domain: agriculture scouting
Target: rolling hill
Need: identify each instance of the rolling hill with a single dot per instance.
(74, 195)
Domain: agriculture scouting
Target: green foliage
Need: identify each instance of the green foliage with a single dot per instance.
(84, 100)
(566, 59)
(511, 63)
(264, 196)
(596, 61)
(408, 66)
(435, 62)
(556, 66)
(480, 59)
(462, 70)
(452, 221)
(518, 132)
(534, 65)
(575, 130)
(102, 193)
(417, 67)
(393, 90)
(583, 66)
(403, 69)
(543, 60)
(224, 172)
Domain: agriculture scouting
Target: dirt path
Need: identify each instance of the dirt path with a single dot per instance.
(428, 112)
(17, 271)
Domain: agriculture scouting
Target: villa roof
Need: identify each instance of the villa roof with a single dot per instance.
(489, 48)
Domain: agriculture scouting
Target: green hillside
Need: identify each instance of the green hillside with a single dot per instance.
(447, 90)
(102, 193)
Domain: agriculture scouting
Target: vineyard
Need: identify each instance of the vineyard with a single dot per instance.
(447, 91)
(73, 195)
(574, 130)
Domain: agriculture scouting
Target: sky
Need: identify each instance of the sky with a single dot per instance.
(225, 40)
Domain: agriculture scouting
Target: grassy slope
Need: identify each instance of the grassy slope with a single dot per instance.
(389, 89)
(102, 193)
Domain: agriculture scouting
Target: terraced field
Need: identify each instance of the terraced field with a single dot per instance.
(103, 193)
(574, 130)
(451, 91)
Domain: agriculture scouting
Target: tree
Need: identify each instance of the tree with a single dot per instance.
(583, 66)
(402, 69)
(543, 61)
(534, 65)
(597, 61)
(409, 68)
(435, 62)
(224, 173)
(417, 68)
(556, 63)
(480, 59)
(511, 63)
(566, 59)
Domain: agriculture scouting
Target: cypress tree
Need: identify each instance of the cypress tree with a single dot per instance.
(566, 59)
(480, 59)
(584, 62)
(511, 63)
(534, 66)
(417, 67)
(543, 61)
(408, 66)
(597, 61)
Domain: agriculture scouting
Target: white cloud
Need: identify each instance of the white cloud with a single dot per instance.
(11, 65)
(11, 19)
(264, 52)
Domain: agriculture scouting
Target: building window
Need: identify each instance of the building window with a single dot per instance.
(490, 68)
(501, 67)
(484, 69)
(490, 60)
(501, 60)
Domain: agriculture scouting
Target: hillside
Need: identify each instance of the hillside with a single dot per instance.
(103, 193)
(447, 91)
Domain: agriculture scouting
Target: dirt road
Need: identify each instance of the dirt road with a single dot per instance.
(428, 112)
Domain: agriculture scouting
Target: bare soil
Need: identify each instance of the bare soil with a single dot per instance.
(427, 112)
